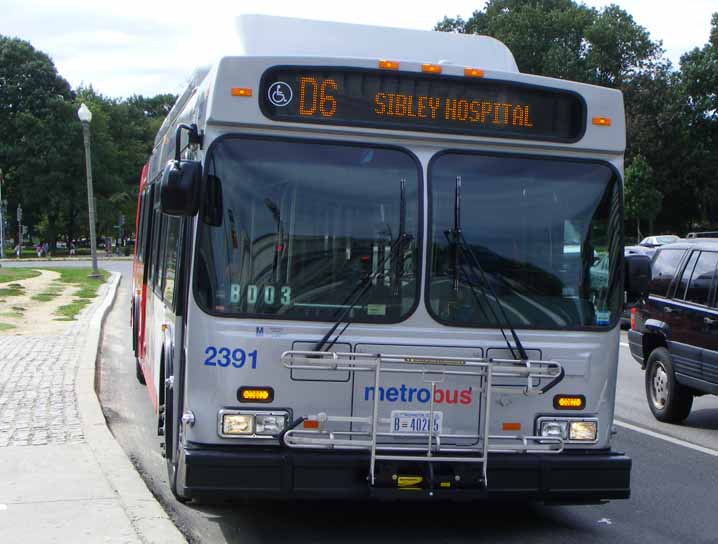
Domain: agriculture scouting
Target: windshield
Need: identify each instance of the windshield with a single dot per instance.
(289, 229)
(546, 232)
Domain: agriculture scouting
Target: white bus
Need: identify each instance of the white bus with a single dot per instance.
(376, 262)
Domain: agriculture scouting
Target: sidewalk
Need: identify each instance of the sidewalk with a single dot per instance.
(63, 477)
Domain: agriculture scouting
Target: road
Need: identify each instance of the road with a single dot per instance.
(674, 486)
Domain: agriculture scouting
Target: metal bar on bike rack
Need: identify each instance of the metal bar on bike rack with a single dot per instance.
(487, 423)
(431, 418)
(374, 420)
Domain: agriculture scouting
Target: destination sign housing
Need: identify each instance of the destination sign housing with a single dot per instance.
(411, 101)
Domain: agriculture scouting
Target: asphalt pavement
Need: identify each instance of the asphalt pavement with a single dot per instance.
(674, 478)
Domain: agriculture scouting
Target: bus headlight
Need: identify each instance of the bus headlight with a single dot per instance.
(572, 430)
(251, 423)
(583, 431)
(237, 424)
(554, 429)
(270, 424)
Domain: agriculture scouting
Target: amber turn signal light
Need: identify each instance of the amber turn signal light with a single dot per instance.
(569, 402)
(255, 394)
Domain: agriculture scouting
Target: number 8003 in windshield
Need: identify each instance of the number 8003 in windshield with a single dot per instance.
(226, 357)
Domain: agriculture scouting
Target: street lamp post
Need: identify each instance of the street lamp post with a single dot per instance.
(85, 116)
(19, 229)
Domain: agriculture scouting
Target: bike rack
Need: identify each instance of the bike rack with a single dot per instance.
(540, 377)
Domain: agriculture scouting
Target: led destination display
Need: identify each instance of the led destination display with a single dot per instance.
(409, 101)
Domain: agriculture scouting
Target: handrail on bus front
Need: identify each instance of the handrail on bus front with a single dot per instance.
(367, 362)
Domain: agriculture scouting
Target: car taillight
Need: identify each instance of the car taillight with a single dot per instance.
(633, 319)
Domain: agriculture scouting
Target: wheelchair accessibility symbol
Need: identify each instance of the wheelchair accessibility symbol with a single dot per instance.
(280, 94)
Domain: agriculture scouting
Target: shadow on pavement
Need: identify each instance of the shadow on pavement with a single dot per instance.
(360, 522)
(703, 419)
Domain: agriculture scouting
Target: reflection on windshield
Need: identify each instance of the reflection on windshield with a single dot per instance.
(546, 233)
(290, 229)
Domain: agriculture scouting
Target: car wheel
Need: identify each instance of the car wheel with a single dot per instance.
(668, 400)
(138, 372)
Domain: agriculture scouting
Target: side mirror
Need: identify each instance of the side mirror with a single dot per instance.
(637, 277)
(179, 188)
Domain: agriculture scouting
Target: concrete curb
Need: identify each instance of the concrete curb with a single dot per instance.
(62, 259)
(148, 519)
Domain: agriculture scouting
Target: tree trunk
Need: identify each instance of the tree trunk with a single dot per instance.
(639, 236)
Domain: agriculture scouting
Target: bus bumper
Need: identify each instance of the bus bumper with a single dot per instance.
(565, 478)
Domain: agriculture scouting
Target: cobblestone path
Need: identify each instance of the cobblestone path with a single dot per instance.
(37, 386)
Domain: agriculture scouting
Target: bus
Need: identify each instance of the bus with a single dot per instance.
(383, 263)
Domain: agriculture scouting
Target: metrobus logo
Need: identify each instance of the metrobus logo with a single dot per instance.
(420, 394)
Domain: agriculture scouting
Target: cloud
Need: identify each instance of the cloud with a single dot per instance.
(152, 46)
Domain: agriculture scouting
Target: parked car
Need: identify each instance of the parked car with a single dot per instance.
(656, 241)
(704, 234)
(674, 334)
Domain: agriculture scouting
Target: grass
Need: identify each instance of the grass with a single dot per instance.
(6, 326)
(15, 274)
(12, 290)
(14, 314)
(87, 289)
(54, 290)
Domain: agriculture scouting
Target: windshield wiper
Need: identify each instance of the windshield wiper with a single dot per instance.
(357, 293)
(458, 242)
(351, 301)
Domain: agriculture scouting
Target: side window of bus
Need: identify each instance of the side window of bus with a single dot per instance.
(159, 269)
(155, 247)
(169, 263)
(142, 231)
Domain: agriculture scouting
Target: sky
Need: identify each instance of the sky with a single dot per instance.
(126, 47)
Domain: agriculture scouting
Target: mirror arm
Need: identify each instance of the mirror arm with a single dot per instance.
(195, 138)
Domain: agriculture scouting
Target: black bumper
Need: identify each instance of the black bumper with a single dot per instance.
(581, 477)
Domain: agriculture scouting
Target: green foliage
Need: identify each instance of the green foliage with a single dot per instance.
(42, 153)
(12, 290)
(642, 198)
(15, 274)
(699, 69)
(88, 287)
(560, 38)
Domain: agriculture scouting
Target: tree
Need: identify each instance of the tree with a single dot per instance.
(699, 69)
(560, 38)
(34, 143)
(642, 199)
(42, 153)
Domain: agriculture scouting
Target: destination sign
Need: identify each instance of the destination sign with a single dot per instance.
(423, 102)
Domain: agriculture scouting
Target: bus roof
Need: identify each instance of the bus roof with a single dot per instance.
(263, 35)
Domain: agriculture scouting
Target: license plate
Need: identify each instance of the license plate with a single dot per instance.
(416, 422)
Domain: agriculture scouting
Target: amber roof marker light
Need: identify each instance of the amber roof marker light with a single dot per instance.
(431, 68)
(473, 72)
(601, 121)
(241, 91)
(388, 65)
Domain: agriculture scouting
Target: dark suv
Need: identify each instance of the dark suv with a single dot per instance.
(674, 333)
